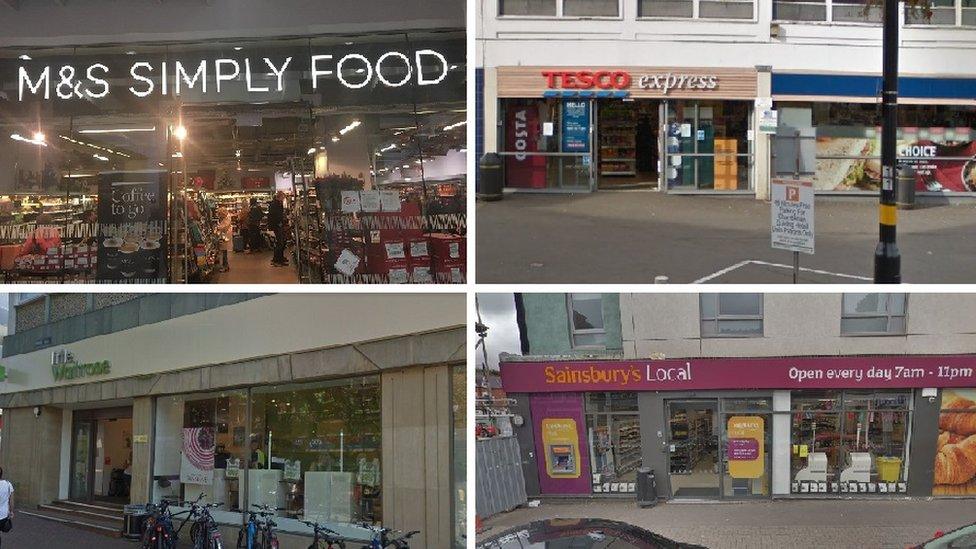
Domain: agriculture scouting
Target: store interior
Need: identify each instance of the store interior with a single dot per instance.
(628, 143)
(219, 155)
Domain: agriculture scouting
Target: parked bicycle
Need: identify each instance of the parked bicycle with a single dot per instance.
(259, 530)
(387, 537)
(324, 538)
(157, 530)
(204, 533)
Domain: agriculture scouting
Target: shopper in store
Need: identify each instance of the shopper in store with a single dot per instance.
(242, 216)
(254, 216)
(276, 222)
(44, 236)
(258, 459)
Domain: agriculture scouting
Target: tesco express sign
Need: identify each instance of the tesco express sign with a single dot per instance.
(621, 80)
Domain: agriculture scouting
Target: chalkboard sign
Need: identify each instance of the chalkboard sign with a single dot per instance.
(132, 227)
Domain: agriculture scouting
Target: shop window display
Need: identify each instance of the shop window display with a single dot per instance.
(201, 448)
(315, 452)
(613, 433)
(955, 474)
(850, 442)
(534, 147)
(707, 146)
(384, 132)
(935, 140)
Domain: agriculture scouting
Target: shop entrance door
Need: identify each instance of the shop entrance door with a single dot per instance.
(693, 448)
(101, 453)
(628, 148)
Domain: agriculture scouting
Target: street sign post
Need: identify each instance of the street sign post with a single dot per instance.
(792, 224)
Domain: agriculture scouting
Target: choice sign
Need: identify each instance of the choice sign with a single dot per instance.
(354, 71)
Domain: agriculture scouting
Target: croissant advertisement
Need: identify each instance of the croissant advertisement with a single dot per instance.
(849, 158)
(955, 460)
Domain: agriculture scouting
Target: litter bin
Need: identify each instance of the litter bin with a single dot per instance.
(646, 487)
(905, 188)
(490, 177)
(133, 517)
(888, 468)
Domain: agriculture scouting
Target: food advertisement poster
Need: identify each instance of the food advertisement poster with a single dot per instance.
(132, 227)
(955, 474)
(849, 158)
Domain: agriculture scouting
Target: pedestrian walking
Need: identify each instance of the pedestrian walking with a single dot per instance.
(276, 222)
(6, 505)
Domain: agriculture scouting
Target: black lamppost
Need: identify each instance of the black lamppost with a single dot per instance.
(887, 259)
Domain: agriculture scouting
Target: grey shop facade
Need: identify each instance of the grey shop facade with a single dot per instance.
(746, 428)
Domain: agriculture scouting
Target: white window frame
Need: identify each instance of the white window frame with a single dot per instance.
(560, 14)
(887, 315)
(696, 14)
(719, 317)
(829, 17)
(574, 331)
(957, 4)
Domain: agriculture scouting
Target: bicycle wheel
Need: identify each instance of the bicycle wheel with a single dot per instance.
(197, 537)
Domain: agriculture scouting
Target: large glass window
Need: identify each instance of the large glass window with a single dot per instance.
(546, 143)
(527, 7)
(865, 314)
(310, 450)
(613, 434)
(724, 315)
(708, 146)
(201, 447)
(850, 441)
(934, 140)
(849, 11)
(957, 427)
(586, 322)
(315, 452)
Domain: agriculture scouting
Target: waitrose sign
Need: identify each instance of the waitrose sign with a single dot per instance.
(64, 367)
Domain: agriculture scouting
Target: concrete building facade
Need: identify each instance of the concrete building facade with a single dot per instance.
(333, 421)
(729, 396)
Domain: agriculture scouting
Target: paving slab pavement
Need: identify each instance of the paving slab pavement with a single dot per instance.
(794, 524)
(632, 236)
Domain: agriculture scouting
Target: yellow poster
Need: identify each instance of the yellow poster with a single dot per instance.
(561, 443)
(746, 448)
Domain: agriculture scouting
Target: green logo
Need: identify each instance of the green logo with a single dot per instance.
(71, 370)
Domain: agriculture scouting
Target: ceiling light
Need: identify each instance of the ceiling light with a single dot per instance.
(388, 147)
(238, 48)
(25, 57)
(160, 164)
(130, 52)
(321, 148)
(311, 151)
(180, 132)
(18, 137)
(178, 154)
(237, 153)
(39, 136)
(406, 165)
(100, 157)
(348, 43)
(352, 126)
(119, 130)
(453, 67)
(452, 126)
(335, 138)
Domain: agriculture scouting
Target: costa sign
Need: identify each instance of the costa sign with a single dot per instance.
(354, 71)
(740, 373)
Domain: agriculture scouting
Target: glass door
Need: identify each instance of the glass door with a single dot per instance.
(82, 460)
(693, 448)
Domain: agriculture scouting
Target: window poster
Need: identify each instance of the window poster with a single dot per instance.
(576, 126)
(132, 227)
(197, 460)
(955, 474)
(849, 158)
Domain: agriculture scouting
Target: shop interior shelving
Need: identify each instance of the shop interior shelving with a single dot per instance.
(618, 140)
(691, 441)
(628, 446)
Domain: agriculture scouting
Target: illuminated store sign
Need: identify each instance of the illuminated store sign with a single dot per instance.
(354, 71)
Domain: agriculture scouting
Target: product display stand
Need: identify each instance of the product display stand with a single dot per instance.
(618, 140)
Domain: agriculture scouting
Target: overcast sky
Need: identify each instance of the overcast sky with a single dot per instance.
(498, 313)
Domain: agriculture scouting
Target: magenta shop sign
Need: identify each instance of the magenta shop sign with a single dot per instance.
(874, 372)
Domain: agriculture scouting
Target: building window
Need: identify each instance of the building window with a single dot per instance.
(560, 8)
(697, 9)
(731, 315)
(850, 441)
(311, 450)
(846, 11)
(956, 13)
(613, 431)
(586, 321)
(873, 314)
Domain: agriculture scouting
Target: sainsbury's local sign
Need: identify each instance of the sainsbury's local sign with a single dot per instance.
(870, 372)
(393, 69)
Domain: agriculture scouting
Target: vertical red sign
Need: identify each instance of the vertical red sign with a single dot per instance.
(522, 134)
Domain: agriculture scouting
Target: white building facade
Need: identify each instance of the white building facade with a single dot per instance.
(674, 95)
